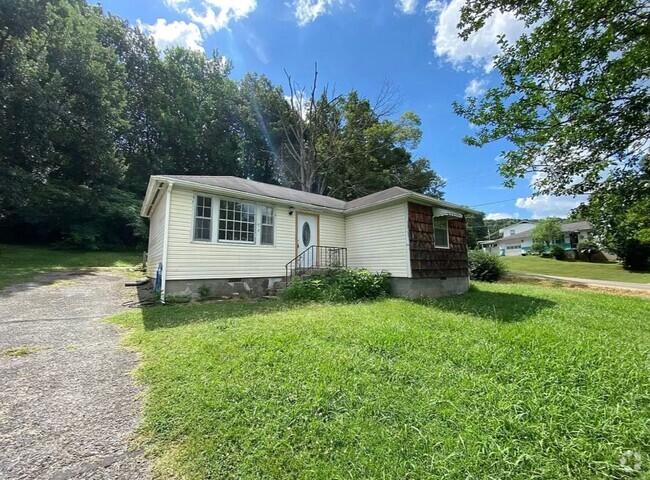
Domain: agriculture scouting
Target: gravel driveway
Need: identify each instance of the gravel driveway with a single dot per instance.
(68, 407)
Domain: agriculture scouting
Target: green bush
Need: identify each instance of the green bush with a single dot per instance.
(635, 255)
(537, 248)
(588, 248)
(485, 267)
(339, 286)
(204, 292)
(557, 252)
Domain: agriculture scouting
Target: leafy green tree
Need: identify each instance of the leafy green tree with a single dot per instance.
(141, 141)
(548, 231)
(370, 153)
(619, 212)
(260, 108)
(63, 106)
(199, 115)
(575, 95)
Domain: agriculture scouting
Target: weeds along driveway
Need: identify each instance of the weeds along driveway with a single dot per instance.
(68, 405)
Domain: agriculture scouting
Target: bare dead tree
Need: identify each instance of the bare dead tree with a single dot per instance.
(389, 100)
(308, 120)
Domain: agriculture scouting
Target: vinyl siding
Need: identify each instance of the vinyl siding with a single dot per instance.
(377, 240)
(332, 230)
(189, 260)
(156, 235)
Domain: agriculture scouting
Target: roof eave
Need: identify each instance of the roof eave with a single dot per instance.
(418, 197)
(152, 186)
(247, 195)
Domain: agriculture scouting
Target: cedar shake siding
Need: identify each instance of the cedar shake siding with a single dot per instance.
(428, 261)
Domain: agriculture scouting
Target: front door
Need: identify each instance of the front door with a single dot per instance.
(307, 235)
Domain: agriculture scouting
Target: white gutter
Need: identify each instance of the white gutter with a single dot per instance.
(163, 280)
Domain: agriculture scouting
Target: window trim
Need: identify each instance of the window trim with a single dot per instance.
(243, 242)
(260, 207)
(195, 216)
(447, 247)
(214, 230)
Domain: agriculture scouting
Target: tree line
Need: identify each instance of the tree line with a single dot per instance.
(90, 108)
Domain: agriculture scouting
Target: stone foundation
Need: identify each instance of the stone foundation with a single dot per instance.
(415, 288)
(241, 287)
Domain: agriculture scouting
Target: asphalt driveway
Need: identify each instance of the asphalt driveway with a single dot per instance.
(68, 406)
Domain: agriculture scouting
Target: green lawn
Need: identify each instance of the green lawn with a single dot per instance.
(595, 271)
(20, 263)
(508, 381)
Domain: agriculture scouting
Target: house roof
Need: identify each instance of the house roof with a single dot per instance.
(289, 195)
(574, 226)
(259, 188)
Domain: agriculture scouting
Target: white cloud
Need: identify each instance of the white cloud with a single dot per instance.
(219, 13)
(255, 44)
(481, 47)
(435, 6)
(475, 88)
(544, 206)
(176, 4)
(309, 10)
(173, 34)
(501, 216)
(406, 6)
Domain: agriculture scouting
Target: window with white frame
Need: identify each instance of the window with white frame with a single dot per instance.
(236, 221)
(266, 230)
(440, 232)
(203, 219)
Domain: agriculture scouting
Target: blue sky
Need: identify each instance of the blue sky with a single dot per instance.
(359, 44)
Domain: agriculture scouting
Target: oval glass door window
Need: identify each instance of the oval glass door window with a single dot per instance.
(306, 234)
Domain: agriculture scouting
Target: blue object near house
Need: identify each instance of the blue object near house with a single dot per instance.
(158, 282)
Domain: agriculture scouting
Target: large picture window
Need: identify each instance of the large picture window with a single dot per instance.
(236, 221)
(203, 219)
(440, 232)
(266, 237)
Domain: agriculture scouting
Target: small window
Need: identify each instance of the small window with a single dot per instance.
(266, 237)
(306, 234)
(512, 231)
(440, 232)
(236, 221)
(203, 219)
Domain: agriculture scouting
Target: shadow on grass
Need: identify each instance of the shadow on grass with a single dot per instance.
(502, 307)
(172, 316)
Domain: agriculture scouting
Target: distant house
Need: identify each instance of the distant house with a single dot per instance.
(235, 235)
(517, 238)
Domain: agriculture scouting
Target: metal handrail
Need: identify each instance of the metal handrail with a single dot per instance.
(315, 257)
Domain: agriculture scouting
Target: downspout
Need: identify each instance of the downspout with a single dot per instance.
(163, 283)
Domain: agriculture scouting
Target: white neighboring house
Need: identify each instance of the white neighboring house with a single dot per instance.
(235, 235)
(517, 239)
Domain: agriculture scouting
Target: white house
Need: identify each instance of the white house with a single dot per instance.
(235, 235)
(516, 228)
(517, 239)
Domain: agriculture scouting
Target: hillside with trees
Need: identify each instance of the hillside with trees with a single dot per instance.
(90, 109)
